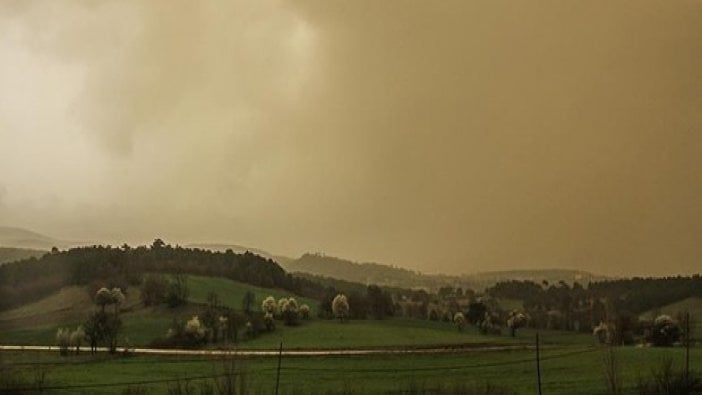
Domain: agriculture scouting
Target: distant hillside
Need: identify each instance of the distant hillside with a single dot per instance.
(487, 279)
(391, 276)
(8, 254)
(23, 238)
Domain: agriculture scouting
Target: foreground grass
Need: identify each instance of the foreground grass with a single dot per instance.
(565, 370)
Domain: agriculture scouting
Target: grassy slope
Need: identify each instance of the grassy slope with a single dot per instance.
(231, 293)
(692, 305)
(36, 323)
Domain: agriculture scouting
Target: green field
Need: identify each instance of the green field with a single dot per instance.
(565, 370)
(572, 363)
(36, 323)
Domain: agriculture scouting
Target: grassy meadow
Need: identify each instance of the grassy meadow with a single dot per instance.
(565, 370)
(571, 362)
(36, 323)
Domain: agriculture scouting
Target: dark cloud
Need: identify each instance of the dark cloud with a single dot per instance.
(456, 136)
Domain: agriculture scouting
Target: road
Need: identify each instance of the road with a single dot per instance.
(289, 353)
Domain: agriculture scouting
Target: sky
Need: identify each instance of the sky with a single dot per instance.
(452, 136)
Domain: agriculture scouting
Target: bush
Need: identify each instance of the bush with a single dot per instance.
(177, 293)
(304, 311)
(290, 311)
(460, 320)
(664, 332)
(153, 289)
(665, 380)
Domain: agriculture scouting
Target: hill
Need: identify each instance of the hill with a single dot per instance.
(9, 254)
(36, 322)
(392, 276)
(24, 238)
(29, 280)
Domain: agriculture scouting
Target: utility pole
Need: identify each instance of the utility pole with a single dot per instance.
(538, 364)
(277, 377)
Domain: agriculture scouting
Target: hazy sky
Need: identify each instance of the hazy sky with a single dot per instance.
(440, 136)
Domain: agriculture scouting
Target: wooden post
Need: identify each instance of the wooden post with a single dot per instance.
(538, 364)
(687, 347)
(277, 378)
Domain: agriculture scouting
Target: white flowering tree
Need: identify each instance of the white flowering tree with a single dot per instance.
(304, 311)
(281, 304)
(77, 338)
(268, 305)
(340, 307)
(601, 332)
(460, 320)
(289, 311)
(222, 324)
(194, 329)
(117, 298)
(516, 320)
(103, 297)
(63, 339)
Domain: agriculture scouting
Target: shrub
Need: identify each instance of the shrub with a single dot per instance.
(304, 311)
(153, 289)
(269, 321)
(177, 293)
(664, 331)
(602, 333)
(665, 380)
(460, 320)
(290, 311)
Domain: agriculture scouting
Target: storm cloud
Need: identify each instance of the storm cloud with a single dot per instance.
(439, 136)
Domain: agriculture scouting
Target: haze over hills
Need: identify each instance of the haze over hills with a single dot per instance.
(329, 266)
(237, 248)
(10, 254)
(385, 275)
(24, 238)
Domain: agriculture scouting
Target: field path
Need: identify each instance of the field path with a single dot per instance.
(289, 353)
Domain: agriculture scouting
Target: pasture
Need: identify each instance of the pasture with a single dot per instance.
(565, 370)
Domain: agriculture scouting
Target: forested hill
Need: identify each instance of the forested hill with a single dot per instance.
(391, 276)
(632, 295)
(30, 279)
